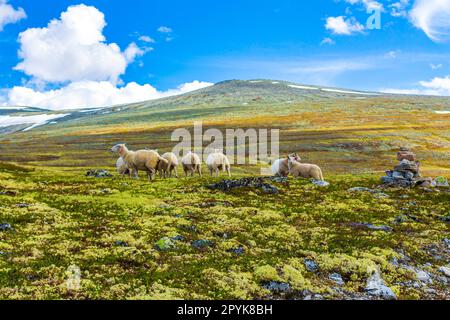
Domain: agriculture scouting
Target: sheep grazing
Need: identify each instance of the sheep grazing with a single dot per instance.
(191, 164)
(304, 170)
(280, 167)
(144, 160)
(167, 168)
(121, 167)
(218, 161)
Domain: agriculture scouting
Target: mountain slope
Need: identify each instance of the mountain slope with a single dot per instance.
(343, 130)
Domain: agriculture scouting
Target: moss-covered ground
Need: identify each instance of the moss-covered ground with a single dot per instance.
(109, 229)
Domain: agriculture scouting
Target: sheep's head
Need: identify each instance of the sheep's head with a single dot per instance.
(118, 148)
(295, 157)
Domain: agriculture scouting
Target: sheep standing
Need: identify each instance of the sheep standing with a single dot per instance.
(218, 161)
(121, 167)
(304, 170)
(191, 164)
(280, 167)
(144, 160)
(171, 166)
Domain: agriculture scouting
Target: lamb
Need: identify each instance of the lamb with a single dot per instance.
(218, 161)
(281, 168)
(121, 167)
(304, 170)
(169, 167)
(191, 164)
(145, 160)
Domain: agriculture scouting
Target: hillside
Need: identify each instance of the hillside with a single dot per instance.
(66, 235)
(343, 130)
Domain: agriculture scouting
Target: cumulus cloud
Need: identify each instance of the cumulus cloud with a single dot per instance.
(435, 87)
(72, 54)
(73, 48)
(164, 29)
(341, 26)
(84, 94)
(432, 17)
(10, 15)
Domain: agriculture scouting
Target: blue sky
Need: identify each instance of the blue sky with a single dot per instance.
(322, 42)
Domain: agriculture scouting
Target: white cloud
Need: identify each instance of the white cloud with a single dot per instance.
(432, 16)
(436, 66)
(73, 48)
(399, 8)
(146, 39)
(341, 26)
(10, 15)
(72, 53)
(436, 87)
(327, 41)
(164, 29)
(86, 94)
(392, 54)
(368, 4)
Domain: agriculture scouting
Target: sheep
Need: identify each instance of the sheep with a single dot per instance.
(121, 167)
(145, 160)
(191, 164)
(218, 161)
(304, 170)
(169, 167)
(280, 167)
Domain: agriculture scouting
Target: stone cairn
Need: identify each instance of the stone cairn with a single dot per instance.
(407, 173)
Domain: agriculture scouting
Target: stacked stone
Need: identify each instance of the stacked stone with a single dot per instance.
(407, 173)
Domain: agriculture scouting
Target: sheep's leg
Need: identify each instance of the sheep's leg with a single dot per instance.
(200, 171)
(229, 171)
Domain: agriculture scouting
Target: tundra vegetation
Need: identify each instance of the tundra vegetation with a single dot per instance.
(177, 239)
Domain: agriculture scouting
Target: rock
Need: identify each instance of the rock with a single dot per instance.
(22, 205)
(121, 243)
(98, 174)
(447, 242)
(321, 183)
(360, 189)
(381, 195)
(165, 244)
(398, 175)
(215, 204)
(371, 226)
(423, 276)
(406, 166)
(8, 193)
(445, 219)
(177, 238)
(202, 244)
(227, 185)
(376, 287)
(445, 271)
(5, 227)
(336, 277)
(279, 179)
(277, 287)
(311, 265)
(237, 251)
(441, 182)
(409, 175)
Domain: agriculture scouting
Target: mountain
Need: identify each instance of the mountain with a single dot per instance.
(346, 129)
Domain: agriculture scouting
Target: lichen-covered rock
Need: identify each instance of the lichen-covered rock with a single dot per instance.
(376, 287)
(5, 227)
(441, 182)
(337, 278)
(98, 174)
(311, 265)
(202, 244)
(259, 183)
(445, 271)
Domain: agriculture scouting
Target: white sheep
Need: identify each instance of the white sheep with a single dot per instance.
(218, 161)
(304, 170)
(191, 164)
(145, 160)
(121, 167)
(167, 169)
(280, 167)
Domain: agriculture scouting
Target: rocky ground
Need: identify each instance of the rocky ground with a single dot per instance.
(68, 235)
